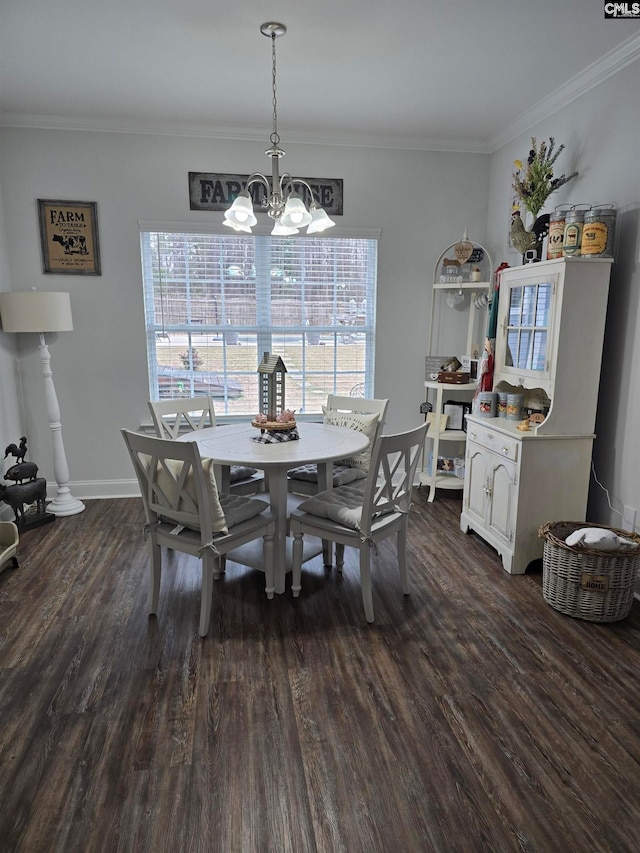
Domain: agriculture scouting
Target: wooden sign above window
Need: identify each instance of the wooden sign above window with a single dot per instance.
(215, 191)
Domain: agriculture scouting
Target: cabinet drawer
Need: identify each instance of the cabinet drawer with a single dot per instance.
(497, 442)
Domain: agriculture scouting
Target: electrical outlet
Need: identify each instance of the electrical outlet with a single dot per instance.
(629, 519)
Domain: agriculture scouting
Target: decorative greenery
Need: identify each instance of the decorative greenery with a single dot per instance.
(534, 185)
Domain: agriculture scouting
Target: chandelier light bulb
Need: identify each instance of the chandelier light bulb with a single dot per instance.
(241, 211)
(295, 214)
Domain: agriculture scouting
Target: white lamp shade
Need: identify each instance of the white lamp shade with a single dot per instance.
(35, 311)
(241, 211)
(295, 214)
(280, 230)
(230, 224)
(319, 221)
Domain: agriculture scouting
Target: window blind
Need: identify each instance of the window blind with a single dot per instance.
(214, 303)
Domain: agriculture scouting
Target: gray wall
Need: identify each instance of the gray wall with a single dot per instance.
(421, 201)
(601, 130)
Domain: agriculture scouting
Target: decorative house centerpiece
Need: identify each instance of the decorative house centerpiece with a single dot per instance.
(272, 416)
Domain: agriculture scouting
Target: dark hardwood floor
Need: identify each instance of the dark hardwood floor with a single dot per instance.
(470, 717)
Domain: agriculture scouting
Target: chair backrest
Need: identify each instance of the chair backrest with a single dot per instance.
(359, 405)
(172, 481)
(188, 413)
(391, 475)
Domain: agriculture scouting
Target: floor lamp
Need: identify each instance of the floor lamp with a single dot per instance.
(40, 312)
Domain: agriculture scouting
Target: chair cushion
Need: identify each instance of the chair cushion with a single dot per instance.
(238, 508)
(342, 474)
(342, 505)
(241, 472)
(368, 424)
(218, 520)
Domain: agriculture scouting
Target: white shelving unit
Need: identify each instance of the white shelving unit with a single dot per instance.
(458, 280)
(432, 478)
(454, 278)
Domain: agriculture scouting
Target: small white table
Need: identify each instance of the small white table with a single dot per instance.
(319, 443)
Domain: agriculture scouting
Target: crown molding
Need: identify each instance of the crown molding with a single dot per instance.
(242, 134)
(593, 75)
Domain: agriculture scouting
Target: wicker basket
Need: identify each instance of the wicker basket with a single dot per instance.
(274, 426)
(594, 585)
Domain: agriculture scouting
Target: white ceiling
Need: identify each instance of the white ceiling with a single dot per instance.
(456, 74)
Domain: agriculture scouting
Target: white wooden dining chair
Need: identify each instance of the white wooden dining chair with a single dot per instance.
(362, 514)
(362, 414)
(366, 415)
(184, 414)
(184, 512)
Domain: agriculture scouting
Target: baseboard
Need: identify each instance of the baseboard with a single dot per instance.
(86, 490)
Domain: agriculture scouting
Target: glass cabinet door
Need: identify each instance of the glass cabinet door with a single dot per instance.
(527, 326)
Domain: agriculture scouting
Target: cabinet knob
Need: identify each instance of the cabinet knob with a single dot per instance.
(505, 450)
(473, 435)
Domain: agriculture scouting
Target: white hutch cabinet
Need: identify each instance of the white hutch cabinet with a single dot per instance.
(551, 320)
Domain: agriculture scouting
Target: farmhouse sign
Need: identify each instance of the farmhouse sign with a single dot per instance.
(215, 191)
(69, 237)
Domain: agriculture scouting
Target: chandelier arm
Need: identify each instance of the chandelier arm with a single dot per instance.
(258, 178)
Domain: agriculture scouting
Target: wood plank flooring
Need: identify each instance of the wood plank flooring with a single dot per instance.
(470, 717)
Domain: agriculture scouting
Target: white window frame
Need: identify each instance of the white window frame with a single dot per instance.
(263, 329)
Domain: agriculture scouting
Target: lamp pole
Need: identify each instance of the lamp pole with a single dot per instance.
(64, 503)
(41, 312)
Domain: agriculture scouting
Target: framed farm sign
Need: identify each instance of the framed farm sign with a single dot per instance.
(216, 191)
(69, 237)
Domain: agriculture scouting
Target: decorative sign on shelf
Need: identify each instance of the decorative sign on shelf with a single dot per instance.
(433, 365)
(216, 191)
(463, 251)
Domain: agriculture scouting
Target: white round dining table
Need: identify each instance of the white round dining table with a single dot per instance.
(318, 442)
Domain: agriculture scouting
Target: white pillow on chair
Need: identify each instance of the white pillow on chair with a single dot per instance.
(367, 424)
(166, 483)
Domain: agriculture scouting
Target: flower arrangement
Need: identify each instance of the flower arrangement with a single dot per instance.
(534, 185)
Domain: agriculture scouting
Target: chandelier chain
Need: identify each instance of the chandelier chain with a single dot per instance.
(275, 139)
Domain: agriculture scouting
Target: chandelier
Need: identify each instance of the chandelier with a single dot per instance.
(282, 203)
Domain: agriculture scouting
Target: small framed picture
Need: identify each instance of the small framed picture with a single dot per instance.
(69, 237)
(470, 365)
(432, 366)
(455, 413)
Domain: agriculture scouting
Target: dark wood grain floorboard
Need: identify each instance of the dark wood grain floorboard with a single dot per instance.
(470, 716)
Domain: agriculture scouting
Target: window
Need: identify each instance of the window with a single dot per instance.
(528, 326)
(214, 304)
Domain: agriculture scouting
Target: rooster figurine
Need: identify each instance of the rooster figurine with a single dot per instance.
(523, 240)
